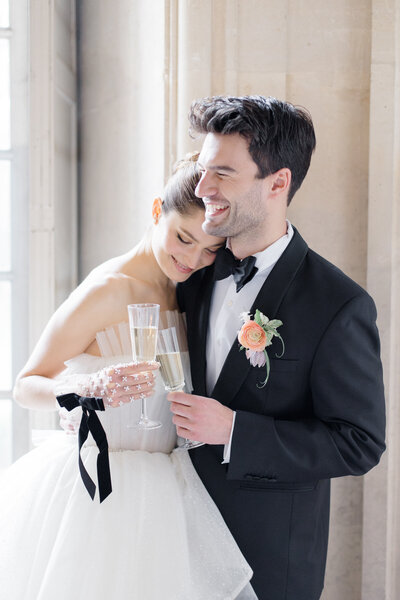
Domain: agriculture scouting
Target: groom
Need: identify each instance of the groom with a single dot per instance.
(271, 450)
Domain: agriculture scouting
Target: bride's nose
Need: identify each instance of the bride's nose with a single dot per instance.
(193, 258)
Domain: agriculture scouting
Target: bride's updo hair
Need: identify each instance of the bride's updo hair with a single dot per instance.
(179, 193)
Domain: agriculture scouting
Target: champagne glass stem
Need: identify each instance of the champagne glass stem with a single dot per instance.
(143, 410)
(189, 444)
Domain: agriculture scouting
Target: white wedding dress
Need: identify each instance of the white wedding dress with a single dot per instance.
(157, 536)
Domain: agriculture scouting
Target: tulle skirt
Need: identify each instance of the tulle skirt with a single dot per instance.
(158, 536)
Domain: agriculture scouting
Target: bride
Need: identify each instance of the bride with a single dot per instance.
(157, 535)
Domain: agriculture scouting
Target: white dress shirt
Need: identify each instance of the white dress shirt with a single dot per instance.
(226, 307)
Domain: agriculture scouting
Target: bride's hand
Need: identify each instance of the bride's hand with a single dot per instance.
(122, 383)
(116, 385)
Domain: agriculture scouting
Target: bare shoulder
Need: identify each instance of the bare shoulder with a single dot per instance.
(98, 302)
(105, 290)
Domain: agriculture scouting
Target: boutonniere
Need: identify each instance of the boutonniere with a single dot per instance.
(255, 336)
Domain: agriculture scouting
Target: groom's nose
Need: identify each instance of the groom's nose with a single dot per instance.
(207, 186)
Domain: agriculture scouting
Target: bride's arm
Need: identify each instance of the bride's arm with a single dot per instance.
(70, 331)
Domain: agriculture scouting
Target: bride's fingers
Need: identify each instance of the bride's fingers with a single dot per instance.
(124, 383)
(128, 397)
(120, 377)
(133, 368)
(129, 393)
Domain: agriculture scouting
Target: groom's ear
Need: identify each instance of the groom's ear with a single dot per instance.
(281, 181)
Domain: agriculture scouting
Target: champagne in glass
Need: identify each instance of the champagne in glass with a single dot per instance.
(171, 369)
(143, 323)
(144, 342)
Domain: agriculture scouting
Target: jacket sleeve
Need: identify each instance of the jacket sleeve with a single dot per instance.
(345, 433)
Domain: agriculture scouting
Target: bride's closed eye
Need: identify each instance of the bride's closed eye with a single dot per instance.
(180, 238)
(186, 242)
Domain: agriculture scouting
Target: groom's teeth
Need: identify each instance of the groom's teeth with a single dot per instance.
(213, 208)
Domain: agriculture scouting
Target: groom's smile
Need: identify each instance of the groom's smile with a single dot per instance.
(214, 209)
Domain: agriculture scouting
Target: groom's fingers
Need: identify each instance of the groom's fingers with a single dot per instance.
(201, 418)
(182, 411)
(181, 406)
(180, 398)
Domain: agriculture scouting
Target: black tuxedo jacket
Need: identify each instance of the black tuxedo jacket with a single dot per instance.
(321, 415)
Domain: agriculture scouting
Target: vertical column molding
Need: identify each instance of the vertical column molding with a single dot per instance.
(41, 199)
(393, 480)
(381, 528)
(194, 56)
(19, 11)
(170, 85)
(52, 158)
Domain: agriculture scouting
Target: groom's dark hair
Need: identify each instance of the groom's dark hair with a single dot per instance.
(280, 135)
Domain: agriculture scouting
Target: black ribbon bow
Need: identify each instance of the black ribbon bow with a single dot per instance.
(91, 422)
(242, 270)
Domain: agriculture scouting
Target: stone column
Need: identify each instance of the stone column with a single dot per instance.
(122, 116)
(53, 243)
(381, 526)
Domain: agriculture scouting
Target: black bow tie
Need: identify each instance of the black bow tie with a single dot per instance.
(242, 270)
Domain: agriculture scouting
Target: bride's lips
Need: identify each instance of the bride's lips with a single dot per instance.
(181, 268)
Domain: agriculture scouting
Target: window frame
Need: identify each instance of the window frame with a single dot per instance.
(17, 155)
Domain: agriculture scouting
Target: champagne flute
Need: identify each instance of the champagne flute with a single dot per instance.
(171, 370)
(143, 324)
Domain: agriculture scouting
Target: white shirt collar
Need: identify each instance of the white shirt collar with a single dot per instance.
(268, 257)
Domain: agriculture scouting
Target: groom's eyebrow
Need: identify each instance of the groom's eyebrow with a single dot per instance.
(218, 168)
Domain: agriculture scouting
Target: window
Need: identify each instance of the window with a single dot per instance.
(13, 223)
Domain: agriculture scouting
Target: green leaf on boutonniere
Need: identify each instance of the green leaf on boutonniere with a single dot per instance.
(283, 346)
(265, 322)
(269, 328)
(268, 365)
(275, 323)
(269, 335)
(258, 318)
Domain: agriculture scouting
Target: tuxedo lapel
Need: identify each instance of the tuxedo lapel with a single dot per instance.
(197, 337)
(268, 300)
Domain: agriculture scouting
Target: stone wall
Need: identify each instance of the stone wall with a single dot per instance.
(141, 64)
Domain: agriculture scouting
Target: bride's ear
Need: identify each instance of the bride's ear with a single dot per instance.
(156, 210)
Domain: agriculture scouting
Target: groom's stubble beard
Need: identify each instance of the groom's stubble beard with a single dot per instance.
(246, 218)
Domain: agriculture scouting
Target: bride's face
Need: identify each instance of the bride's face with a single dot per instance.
(180, 245)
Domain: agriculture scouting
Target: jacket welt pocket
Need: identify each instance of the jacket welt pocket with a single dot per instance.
(283, 365)
(277, 487)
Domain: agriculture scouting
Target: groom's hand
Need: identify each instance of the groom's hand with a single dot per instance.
(201, 419)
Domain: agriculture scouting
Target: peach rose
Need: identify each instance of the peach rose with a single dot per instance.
(252, 336)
